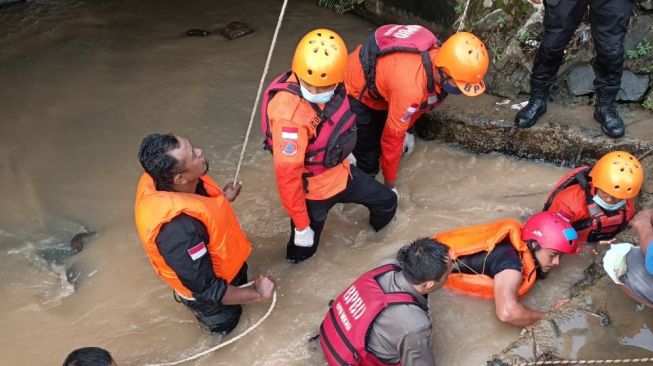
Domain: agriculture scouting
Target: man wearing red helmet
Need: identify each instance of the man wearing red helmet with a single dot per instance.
(396, 76)
(503, 259)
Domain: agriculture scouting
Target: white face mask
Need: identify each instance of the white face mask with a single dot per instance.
(320, 98)
(607, 206)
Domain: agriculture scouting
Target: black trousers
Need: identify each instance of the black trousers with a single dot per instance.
(369, 123)
(220, 319)
(609, 22)
(361, 188)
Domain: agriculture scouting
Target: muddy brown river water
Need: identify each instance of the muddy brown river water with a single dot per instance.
(82, 82)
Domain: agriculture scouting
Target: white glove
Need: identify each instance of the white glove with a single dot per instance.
(409, 144)
(352, 159)
(394, 189)
(304, 238)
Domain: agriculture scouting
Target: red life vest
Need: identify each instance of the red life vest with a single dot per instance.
(344, 331)
(598, 225)
(393, 38)
(336, 132)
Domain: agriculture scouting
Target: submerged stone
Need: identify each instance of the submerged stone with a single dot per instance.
(235, 30)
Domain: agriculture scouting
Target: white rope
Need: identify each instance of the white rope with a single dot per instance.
(589, 362)
(461, 25)
(260, 87)
(225, 344)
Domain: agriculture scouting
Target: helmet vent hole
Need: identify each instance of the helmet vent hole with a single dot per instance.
(315, 50)
(617, 187)
(622, 169)
(629, 189)
(319, 34)
(311, 41)
(310, 72)
(326, 52)
(323, 75)
(636, 166)
(335, 48)
(332, 37)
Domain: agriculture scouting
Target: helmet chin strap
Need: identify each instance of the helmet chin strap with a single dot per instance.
(538, 268)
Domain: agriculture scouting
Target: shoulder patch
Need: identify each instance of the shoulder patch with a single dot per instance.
(288, 147)
(197, 251)
(409, 112)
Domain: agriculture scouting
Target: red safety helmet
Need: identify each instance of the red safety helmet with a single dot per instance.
(550, 231)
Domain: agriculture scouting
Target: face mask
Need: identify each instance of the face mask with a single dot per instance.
(450, 89)
(607, 206)
(320, 98)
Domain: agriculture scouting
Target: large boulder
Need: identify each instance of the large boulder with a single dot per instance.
(638, 44)
(633, 87)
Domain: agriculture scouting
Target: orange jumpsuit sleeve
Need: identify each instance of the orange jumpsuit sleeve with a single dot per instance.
(570, 202)
(289, 141)
(402, 113)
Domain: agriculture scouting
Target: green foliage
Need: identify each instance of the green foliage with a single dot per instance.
(501, 22)
(648, 104)
(568, 57)
(497, 51)
(642, 49)
(523, 37)
(340, 6)
(458, 9)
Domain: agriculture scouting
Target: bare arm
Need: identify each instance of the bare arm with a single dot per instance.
(506, 300)
(642, 223)
(262, 290)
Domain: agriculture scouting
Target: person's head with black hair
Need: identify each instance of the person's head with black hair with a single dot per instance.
(89, 356)
(425, 263)
(172, 162)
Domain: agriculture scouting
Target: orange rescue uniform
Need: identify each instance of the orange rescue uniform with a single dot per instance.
(288, 112)
(402, 83)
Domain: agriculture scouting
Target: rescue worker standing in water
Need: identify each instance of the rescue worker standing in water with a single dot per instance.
(191, 235)
(503, 259)
(599, 201)
(310, 129)
(383, 317)
(396, 76)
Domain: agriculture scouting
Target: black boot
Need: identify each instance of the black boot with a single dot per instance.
(606, 114)
(536, 107)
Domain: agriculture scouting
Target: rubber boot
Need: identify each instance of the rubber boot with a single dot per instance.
(606, 114)
(536, 107)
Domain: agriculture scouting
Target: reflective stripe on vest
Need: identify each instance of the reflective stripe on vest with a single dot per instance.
(343, 333)
(598, 225)
(483, 238)
(228, 246)
(393, 38)
(335, 135)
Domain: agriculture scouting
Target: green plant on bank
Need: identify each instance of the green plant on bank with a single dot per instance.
(648, 104)
(497, 51)
(568, 57)
(501, 22)
(642, 49)
(340, 6)
(458, 9)
(523, 37)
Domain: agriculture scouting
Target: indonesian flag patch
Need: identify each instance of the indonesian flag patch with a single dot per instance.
(289, 133)
(409, 112)
(197, 251)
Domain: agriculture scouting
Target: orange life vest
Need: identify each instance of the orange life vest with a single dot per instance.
(483, 238)
(228, 246)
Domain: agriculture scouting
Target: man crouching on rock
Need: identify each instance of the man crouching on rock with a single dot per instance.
(191, 235)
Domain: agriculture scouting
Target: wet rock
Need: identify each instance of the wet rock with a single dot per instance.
(581, 82)
(197, 33)
(498, 19)
(80, 240)
(648, 101)
(638, 43)
(235, 30)
(646, 4)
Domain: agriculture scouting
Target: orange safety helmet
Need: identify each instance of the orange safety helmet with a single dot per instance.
(464, 57)
(320, 58)
(619, 174)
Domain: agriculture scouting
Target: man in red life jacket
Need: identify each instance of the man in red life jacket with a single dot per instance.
(503, 259)
(310, 129)
(599, 202)
(396, 76)
(383, 318)
(191, 235)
